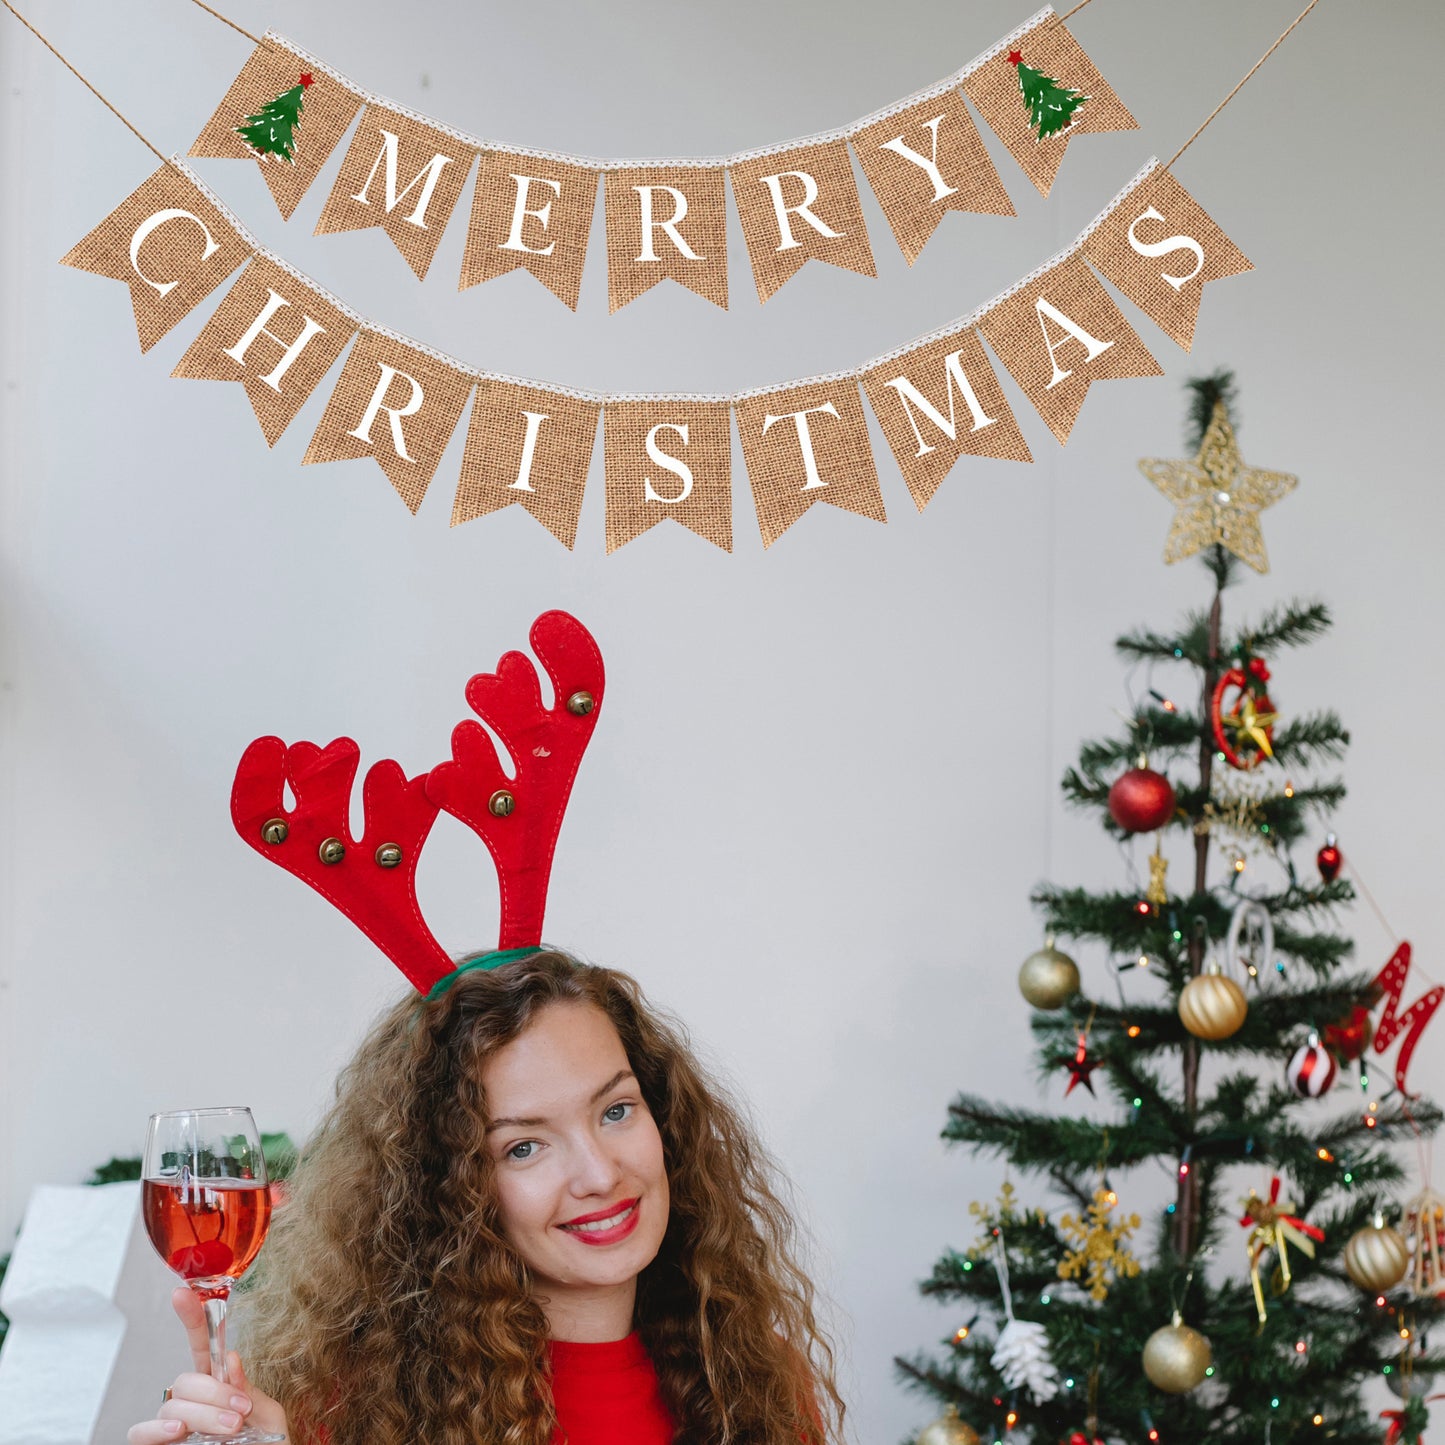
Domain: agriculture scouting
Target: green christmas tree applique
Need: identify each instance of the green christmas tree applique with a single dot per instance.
(271, 132)
(1051, 106)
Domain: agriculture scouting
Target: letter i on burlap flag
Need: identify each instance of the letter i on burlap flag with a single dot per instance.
(666, 222)
(396, 404)
(668, 459)
(939, 403)
(1160, 248)
(530, 213)
(993, 86)
(403, 176)
(927, 160)
(529, 446)
(169, 244)
(1058, 334)
(327, 109)
(807, 444)
(274, 334)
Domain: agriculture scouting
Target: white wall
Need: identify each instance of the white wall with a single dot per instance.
(826, 778)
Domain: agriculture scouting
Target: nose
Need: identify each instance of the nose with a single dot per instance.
(595, 1170)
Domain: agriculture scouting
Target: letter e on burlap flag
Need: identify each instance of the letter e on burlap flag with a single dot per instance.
(396, 404)
(807, 444)
(274, 334)
(169, 244)
(994, 88)
(1059, 333)
(529, 446)
(668, 459)
(1160, 248)
(327, 108)
(927, 160)
(939, 403)
(532, 213)
(403, 176)
(666, 221)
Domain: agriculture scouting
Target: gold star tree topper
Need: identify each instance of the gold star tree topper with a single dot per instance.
(1218, 498)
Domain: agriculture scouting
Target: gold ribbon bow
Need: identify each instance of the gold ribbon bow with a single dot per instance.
(1274, 1226)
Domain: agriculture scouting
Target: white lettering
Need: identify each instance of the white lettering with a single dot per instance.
(677, 468)
(529, 448)
(810, 194)
(520, 213)
(1091, 344)
(427, 177)
(394, 414)
(805, 439)
(1164, 247)
(290, 351)
(953, 370)
(679, 210)
(150, 224)
(928, 162)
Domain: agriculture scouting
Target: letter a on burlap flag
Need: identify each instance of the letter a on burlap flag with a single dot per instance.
(169, 244)
(327, 108)
(668, 459)
(274, 334)
(529, 446)
(403, 176)
(927, 160)
(807, 444)
(993, 86)
(1059, 333)
(666, 222)
(939, 403)
(396, 404)
(1160, 248)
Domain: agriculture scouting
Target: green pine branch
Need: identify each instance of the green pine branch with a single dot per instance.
(1292, 624)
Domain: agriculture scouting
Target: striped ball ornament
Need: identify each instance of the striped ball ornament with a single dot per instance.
(1312, 1069)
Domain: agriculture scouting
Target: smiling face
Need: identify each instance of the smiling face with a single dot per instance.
(581, 1181)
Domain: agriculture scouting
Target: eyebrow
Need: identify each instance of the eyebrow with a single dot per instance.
(606, 1089)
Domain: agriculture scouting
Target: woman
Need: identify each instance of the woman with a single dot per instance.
(529, 1217)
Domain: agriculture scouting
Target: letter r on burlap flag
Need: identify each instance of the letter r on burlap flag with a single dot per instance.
(1058, 334)
(666, 222)
(169, 244)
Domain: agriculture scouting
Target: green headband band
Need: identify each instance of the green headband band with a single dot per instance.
(486, 961)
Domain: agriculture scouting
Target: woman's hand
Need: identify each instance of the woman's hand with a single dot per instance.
(200, 1403)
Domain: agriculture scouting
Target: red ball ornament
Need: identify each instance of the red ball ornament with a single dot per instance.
(1349, 1037)
(1141, 800)
(1329, 860)
(1312, 1069)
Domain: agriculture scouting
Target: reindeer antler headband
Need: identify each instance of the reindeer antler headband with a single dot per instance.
(372, 879)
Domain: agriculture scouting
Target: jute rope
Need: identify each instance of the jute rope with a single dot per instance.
(247, 33)
(1074, 11)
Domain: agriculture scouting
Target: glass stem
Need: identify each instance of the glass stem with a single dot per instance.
(216, 1337)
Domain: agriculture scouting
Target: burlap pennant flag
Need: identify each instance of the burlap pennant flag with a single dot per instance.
(927, 160)
(808, 444)
(274, 334)
(402, 175)
(799, 205)
(169, 244)
(396, 404)
(995, 89)
(666, 221)
(327, 108)
(529, 446)
(1060, 332)
(939, 403)
(668, 459)
(1160, 248)
(532, 213)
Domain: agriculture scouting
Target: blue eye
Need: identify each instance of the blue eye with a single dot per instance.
(617, 1113)
(516, 1151)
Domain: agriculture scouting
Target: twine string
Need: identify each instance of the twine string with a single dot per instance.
(1074, 11)
(252, 38)
(1170, 163)
(82, 79)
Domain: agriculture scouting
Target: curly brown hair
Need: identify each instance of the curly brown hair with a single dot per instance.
(388, 1306)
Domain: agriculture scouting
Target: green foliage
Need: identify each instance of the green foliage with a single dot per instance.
(271, 131)
(1205, 392)
(1051, 106)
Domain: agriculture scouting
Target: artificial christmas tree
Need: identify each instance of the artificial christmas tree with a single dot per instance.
(1245, 1323)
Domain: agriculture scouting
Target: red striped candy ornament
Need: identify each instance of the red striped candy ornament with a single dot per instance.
(1312, 1069)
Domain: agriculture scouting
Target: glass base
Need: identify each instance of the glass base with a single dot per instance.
(249, 1435)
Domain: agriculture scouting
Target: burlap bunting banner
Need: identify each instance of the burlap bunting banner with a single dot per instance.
(800, 205)
(274, 334)
(169, 244)
(939, 403)
(925, 161)
(668, 459)
(328, 108)
(1058, 333)
(1160, 248)
(666, 221)
(804, 445)
(532, 213)
(994, 88)
(528, 446)
(403, 176)
(396, 404)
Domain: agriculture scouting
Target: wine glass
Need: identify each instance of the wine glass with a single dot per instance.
(207, 1206)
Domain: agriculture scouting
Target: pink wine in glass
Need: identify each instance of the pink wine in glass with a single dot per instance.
(207, 1230)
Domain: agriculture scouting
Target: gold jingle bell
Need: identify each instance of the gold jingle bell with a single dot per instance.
(581, 703)
(331, 851)
(389, 855)
(1377, 1257)
(1176, 1357)
(1048, 979)
(501, 804)
(1212, 1006)
(274, 831)
(948, 1429)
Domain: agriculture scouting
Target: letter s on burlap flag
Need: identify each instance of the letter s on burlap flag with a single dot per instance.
(169, 244)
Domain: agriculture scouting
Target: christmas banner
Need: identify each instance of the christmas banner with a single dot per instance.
(665, 217)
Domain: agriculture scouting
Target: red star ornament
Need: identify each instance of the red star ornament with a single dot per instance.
(1081, 1068)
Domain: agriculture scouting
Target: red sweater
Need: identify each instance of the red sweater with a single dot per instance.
(608, 1395)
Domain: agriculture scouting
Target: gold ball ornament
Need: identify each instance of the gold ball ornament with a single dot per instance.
(948, 1429)
(1212, 1006)
(1176, 1357)
(1049, 978)
(1377, 1257)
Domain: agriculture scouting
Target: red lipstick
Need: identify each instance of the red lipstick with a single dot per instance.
(625, 1212)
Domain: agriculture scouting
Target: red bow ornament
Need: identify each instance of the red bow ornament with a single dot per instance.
(1274, 1226)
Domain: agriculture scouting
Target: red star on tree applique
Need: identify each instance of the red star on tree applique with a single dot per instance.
(306, 79)
(1015, 57)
